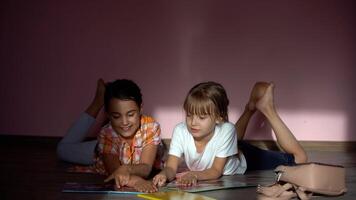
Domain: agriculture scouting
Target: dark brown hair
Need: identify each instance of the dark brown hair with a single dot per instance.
(122, 89)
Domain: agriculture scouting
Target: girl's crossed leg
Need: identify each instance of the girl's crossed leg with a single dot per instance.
(72, 147)
(262, 100)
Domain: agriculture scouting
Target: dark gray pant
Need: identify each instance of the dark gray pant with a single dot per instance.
(72, 148)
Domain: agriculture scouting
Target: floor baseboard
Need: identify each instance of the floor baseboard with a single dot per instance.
(311, 145)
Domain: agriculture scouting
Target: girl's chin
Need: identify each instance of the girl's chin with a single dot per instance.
(200, 137)
(127, 134)
(197, 136)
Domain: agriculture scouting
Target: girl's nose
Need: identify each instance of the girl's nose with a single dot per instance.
(194, 120)
(125, 120)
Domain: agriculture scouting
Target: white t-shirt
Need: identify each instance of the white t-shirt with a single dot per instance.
(223, 144)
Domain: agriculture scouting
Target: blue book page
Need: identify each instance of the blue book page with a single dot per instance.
(97, 188)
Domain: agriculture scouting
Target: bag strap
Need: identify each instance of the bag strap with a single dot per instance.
(278, 191)
(280, 168)
(275, 192)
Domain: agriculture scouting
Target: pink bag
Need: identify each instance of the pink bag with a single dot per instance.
(305, 179)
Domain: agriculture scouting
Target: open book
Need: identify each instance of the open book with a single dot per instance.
(210, 185)
(202, 186)
(97, 188)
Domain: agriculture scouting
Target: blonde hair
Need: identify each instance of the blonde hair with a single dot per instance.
(207, 98)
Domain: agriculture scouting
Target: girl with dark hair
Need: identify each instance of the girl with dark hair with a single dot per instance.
(128, 147)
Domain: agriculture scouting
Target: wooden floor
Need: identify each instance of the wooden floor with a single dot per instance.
(29, 169)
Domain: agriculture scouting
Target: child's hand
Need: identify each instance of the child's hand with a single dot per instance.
(145, 186)
(188, 179)
(121, 176)
(159, 180)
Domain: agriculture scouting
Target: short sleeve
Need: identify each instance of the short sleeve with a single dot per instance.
(228, 141)
(176, 146)
(152, 134)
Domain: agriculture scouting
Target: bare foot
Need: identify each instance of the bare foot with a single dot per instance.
(266, 103)
(98, 101)
(257, 92)
(99, 94)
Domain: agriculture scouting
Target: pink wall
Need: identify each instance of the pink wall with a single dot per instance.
(52, 53)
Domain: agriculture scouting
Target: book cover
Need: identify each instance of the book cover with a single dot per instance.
(97, 188)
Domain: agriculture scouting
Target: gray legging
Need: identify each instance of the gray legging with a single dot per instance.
(73, 148)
